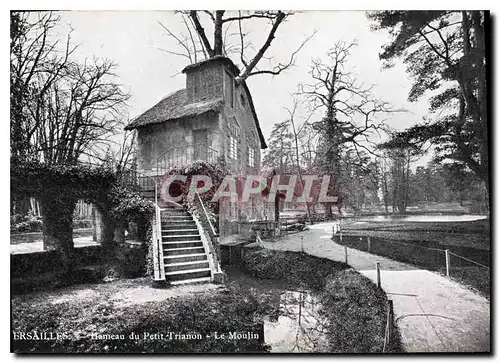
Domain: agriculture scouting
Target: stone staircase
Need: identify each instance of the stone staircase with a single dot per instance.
(184, 255)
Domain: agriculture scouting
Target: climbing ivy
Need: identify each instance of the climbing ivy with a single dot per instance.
(216, 172)
(58, 187)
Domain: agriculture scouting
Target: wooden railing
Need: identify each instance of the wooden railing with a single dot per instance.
(183, 155)
(144, 184)
(214, 240)
(147, 185)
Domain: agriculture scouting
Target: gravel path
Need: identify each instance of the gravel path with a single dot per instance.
(434, 314)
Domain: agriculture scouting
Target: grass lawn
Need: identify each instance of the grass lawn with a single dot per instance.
(414, 243)
(117, 317)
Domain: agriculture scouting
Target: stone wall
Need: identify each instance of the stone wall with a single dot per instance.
(240, 115)
(155, 140)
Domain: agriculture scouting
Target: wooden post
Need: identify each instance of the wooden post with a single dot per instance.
(369, 241)
(345, 252)
(379, 283)
(447, 255)
(391, 319)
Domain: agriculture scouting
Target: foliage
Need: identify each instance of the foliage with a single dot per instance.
(231, 310)
(445, 53)
(128, 205)
(354, 306)
(347, 294)
(42, 180)
(216, 172)
(25, 223)
(279, 155)
(58, 186)
(131, 259)
(290, 266)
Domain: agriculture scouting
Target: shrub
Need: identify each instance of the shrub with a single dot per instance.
(293, 267)
(131, 259)
(82, 223)
(26, 223)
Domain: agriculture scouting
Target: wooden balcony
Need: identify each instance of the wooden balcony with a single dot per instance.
(180, 156)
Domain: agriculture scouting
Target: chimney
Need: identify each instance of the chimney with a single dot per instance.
(208, 80)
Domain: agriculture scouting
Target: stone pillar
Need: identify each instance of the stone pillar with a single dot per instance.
(119, 232)
(97, 226)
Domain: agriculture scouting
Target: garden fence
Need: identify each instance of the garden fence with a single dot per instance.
(451, 264)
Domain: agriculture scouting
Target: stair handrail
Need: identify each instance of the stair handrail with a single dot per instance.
(214, 236)
(141, 175)
(214, 233)
(158, 243)
(158, 270)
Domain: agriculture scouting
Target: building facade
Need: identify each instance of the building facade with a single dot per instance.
(213, 120)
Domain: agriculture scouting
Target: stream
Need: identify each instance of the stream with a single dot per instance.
(299, 327)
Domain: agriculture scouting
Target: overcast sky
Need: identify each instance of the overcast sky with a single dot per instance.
(133, 39)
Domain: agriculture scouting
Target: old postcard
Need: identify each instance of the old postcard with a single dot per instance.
(270, 181)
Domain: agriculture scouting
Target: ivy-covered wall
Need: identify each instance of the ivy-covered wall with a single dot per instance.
(58, 187)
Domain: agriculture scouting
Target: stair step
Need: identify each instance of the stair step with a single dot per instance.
(176, 226)
(187, 274)
(177, 251)
(180, 231)
(182, 244)
(185, 258)
(191, 281)
(180, 237)
(175, 216)
(182, 266)
(177, 220)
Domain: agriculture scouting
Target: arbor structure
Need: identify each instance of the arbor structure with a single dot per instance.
(445, 53)
(61, 110)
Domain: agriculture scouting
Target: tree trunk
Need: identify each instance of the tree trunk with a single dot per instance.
(58, 228)
(218, 44)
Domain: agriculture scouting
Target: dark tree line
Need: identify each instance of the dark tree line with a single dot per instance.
(445, 52)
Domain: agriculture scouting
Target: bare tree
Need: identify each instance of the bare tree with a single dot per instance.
(60, 109)
(350, 111)
(78, 113)
(292, 113)
(195, 44)
(36, 63)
